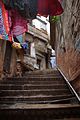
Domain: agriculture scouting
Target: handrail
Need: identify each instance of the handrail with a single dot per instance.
(71, 87)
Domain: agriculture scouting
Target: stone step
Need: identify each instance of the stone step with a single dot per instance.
(41, 97)
(34, 92)
(33, 82)
(44, 75)
(59, 101)
(43, 72)
(34, 79)
(21, 111)
(35, 99)
(31, 86)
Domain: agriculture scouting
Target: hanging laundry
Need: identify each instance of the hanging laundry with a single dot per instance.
(23, 8)
(60, 1)
(20, 42)
(33, 4)
(43, 7)
(9, 4)
(4, 23)
(16, 45)
(27, 8)
(20, 38)
(49, 7)
(19, 25)
(55, 7)
(25, 45)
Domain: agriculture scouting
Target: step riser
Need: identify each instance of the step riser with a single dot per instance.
(31, 87)
(42, 73)
(29, 93)
(34, 79)
(55, 76)
(40, 114)
(33, 82)
(7, 100)
(35, 102)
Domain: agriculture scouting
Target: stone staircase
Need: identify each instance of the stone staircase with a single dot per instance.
(40, 95)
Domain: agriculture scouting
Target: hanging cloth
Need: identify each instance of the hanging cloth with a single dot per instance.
(25, 44)
(23, 8)
(60, 1)
(4, 23)
(49, 7)
(19, 25)
(33, 7)
(43, 7)
(9, 4)
(26, 8)
(16, 45)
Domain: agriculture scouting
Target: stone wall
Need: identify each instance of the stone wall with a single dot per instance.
(68, 40)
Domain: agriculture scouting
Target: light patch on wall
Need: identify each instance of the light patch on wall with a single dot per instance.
(77, 45)
(62, 44)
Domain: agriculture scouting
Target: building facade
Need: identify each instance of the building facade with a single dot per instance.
(36, 56)
(38, 38)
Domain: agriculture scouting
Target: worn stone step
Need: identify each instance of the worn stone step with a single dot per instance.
(58, 101)
(31, 86)
(49, 86)
(21, 111)
(43, 72)
(34, 79)
(34, 82)
(34, 92)
(44, 75)
(35, 98)
(46, 71)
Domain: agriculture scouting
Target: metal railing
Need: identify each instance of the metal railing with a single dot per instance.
(70, 86)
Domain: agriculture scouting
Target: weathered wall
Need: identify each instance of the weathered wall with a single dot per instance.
(13, 62)
(41, 50)
(2, 53)
(68, 41)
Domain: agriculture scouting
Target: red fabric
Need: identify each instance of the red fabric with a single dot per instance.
(43, 7)
(19, 25)
(49, 7)
(60, 1)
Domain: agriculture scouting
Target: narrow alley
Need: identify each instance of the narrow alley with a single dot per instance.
(39, 60)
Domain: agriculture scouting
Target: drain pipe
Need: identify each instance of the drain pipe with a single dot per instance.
(71, 87)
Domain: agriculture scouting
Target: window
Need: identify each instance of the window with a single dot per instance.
(39, 63)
